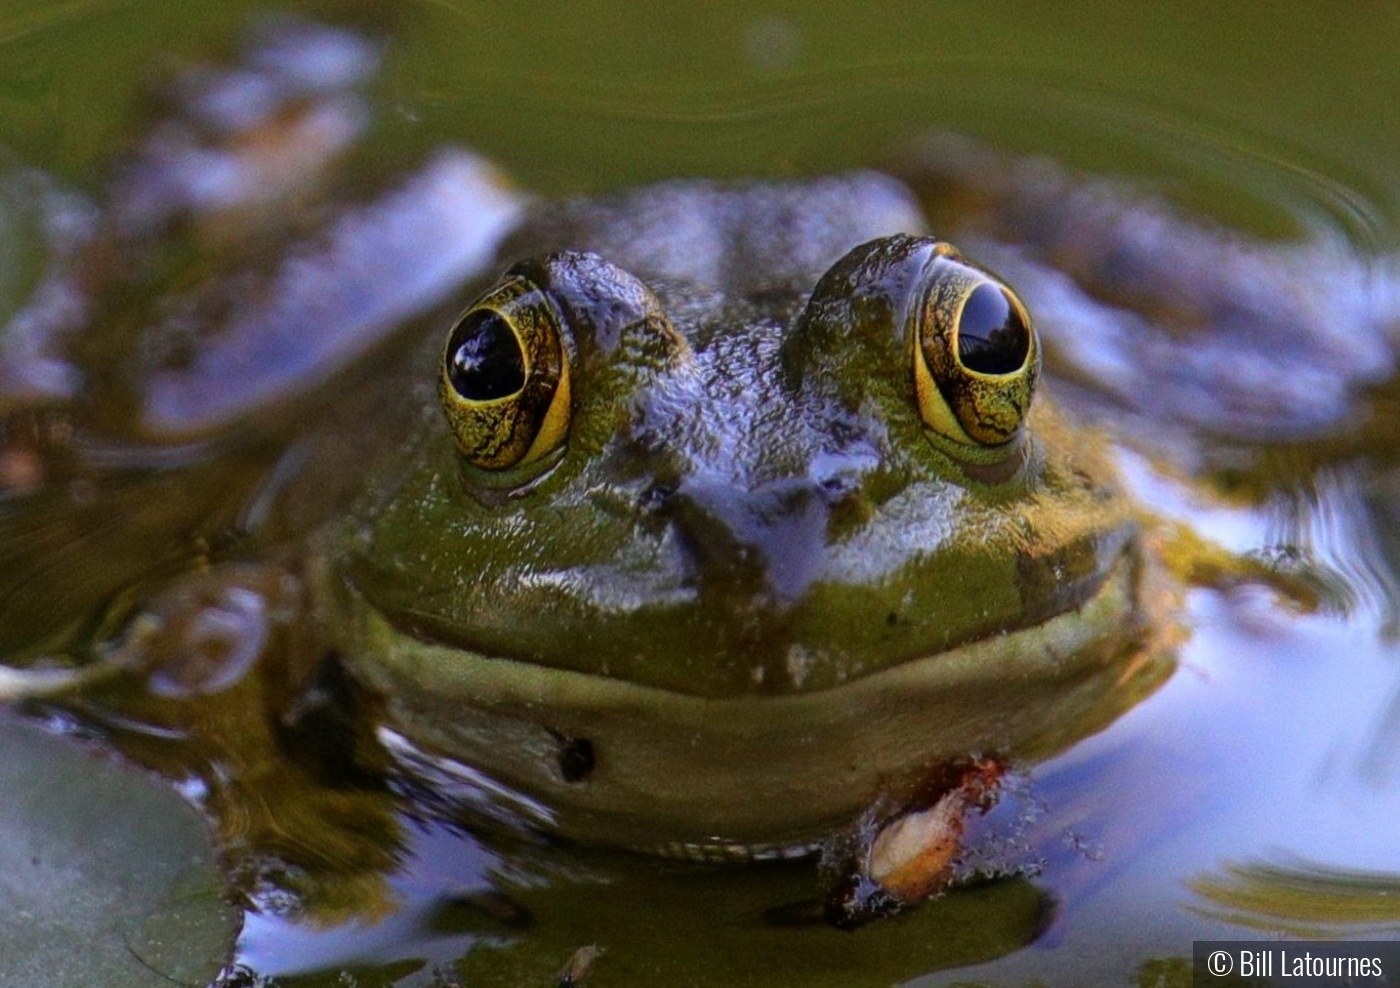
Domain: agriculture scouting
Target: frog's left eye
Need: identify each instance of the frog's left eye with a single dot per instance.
(975, 355)
(505, 378)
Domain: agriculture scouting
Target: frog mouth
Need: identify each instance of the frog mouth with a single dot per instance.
(1067, 590)
(761, 770)
(750, 645)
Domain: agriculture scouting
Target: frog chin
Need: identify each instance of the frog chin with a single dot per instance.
(762, 774)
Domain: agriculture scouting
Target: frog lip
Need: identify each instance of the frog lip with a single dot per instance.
(775, 664)
(672, 768)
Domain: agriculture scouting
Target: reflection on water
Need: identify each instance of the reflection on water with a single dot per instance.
(1303, 899)
(1255, 794)
(1179, 320)
(1327, 519)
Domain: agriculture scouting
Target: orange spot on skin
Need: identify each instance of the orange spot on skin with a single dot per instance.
(912, 856)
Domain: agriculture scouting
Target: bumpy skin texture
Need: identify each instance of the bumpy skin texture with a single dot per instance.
(747, 499)
(750, 565)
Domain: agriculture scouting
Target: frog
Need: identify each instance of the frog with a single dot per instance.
(810, 569)
(718, 521)
(794, 531)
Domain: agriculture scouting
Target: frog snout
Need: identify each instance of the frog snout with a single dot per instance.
(768, 542)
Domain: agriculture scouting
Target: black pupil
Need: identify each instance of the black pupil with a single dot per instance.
(992, 339)
(484, 361)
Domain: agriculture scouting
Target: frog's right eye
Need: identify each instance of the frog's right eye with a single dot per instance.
(504, 381)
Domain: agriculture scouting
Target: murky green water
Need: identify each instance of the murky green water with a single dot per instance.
(1255, 795)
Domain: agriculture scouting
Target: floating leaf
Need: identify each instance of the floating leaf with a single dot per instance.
(107, 876)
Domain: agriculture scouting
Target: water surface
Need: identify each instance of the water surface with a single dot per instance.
(1254, 795)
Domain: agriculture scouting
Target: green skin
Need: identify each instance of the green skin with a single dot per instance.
(751, 592)
(763, 591)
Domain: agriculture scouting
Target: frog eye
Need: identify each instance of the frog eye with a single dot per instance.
(975, 355)
(505, 378)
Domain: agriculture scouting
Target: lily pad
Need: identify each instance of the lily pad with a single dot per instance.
(107, 876)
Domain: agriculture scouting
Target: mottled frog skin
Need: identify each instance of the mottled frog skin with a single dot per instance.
(776, 564)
